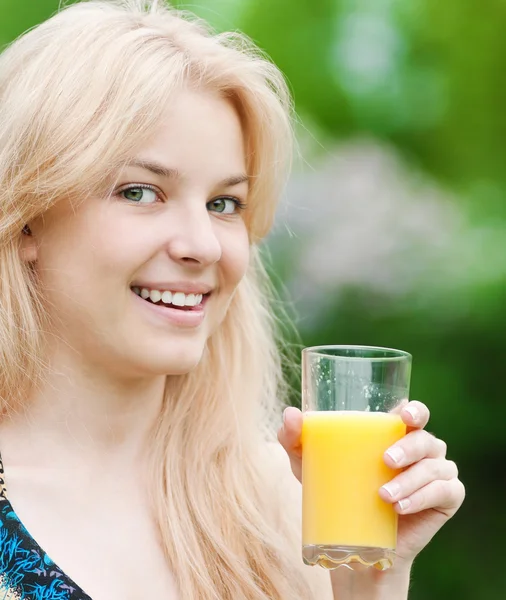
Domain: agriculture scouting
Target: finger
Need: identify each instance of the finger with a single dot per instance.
(415, 414)
(289, 436)
(290, 433)
(413, 447)
(418, 476)
(443, 496)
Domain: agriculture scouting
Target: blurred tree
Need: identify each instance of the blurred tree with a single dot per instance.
(16, 17)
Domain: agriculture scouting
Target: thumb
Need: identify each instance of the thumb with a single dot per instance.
(290, 433)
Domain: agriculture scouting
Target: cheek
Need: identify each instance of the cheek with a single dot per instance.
(234, 264)
(235, 258)
(83, 258)
(115, 250)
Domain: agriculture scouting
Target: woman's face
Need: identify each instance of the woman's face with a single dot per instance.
(117, 271)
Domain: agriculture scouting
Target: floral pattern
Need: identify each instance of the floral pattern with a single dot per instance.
(26, 571)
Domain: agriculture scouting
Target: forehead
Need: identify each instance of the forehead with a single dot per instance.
(200, 135)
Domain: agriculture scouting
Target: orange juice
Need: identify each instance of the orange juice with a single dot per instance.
(342, 471)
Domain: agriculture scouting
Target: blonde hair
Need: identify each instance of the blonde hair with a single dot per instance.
(77, 93)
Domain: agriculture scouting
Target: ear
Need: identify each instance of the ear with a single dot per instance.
(28, 247)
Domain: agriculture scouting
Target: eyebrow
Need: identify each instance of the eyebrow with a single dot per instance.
(163, 171)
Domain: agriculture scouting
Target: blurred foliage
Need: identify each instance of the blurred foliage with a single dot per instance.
(427, 77)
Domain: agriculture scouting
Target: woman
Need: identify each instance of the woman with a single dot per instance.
(140, 162)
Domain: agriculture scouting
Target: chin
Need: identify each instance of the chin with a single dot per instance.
(180, 362)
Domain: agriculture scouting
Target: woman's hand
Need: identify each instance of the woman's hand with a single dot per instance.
(426, 493)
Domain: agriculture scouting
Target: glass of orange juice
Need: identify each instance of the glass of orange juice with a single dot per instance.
(351, 400)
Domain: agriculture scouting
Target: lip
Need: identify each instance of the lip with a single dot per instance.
(190, 319)
(187, 287)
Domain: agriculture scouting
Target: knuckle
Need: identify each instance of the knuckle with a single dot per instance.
(416, 444)
(439, 492)
(460, 491)
(453, 469)
(443, 447)
(435, 446)
(435, 469)
(428, 440)
(420, 500)
(420, 435)
(442, 487)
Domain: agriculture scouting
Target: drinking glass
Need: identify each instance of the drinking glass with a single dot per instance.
(351, 400)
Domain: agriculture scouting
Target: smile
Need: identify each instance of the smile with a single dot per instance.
(182, 310)
(174, 299)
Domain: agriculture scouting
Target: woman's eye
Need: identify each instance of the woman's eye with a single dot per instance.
(225, 206)
(140, 194)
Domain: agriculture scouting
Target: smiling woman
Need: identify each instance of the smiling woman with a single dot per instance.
(183, 236)
(141, 160)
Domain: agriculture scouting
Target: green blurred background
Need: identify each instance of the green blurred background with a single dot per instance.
(393, 226)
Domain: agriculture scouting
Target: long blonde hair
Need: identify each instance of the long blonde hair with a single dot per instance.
(77, 93)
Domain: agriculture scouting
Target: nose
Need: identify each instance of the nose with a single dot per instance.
(194, 239)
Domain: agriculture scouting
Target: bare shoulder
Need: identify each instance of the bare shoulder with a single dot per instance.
(287, 500)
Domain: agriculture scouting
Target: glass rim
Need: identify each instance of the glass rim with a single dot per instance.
(317, 351)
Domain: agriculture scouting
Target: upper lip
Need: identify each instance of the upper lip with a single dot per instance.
(186, 287)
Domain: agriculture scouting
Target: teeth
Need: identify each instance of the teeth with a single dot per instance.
(190, 300)
(155, 296)
(178, 299)
(175, 298)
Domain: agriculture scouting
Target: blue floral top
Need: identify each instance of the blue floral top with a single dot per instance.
(26, 571)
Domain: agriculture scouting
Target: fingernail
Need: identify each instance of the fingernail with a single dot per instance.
(404, 504)
(396, 454)
(392, 488)
(284, 416)
(413, 412)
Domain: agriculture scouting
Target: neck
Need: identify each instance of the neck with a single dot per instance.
(83, 410)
